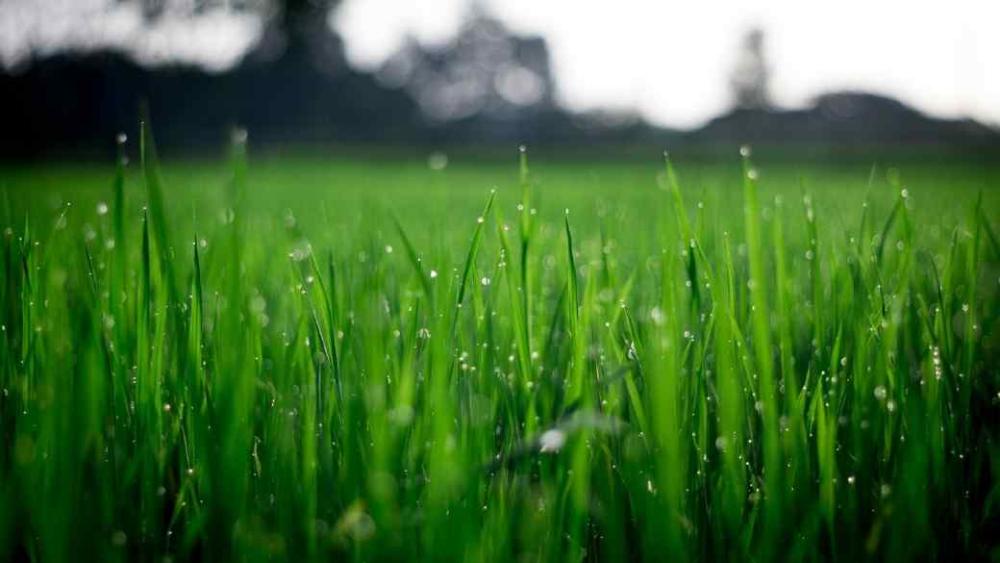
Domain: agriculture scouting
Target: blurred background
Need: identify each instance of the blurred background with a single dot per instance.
(842, 76)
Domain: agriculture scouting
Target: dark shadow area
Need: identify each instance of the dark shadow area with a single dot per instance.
(487, 86)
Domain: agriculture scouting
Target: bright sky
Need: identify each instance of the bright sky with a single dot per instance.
(216, 40)
(669, 60)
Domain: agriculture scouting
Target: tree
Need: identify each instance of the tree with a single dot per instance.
(303, 22)
(484, 70)
(749, 79)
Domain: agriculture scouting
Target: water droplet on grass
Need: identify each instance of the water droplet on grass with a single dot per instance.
(721, 443)
(437, 161)
(657, 316)
(551, 441)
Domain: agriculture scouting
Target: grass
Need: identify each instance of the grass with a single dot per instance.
(364, 359)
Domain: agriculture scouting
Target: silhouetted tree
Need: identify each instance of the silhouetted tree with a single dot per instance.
(749, 79)
(485, 70)
(300, 30)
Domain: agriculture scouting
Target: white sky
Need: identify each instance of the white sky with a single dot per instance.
(669, 60)
(216, 40)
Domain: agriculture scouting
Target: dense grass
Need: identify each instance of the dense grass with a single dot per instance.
(316, 358)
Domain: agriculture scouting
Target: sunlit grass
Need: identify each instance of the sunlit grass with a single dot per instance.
(377, 361)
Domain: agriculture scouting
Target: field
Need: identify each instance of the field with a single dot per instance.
(340, 357)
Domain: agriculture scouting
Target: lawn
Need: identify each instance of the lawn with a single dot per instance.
(381, 356)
